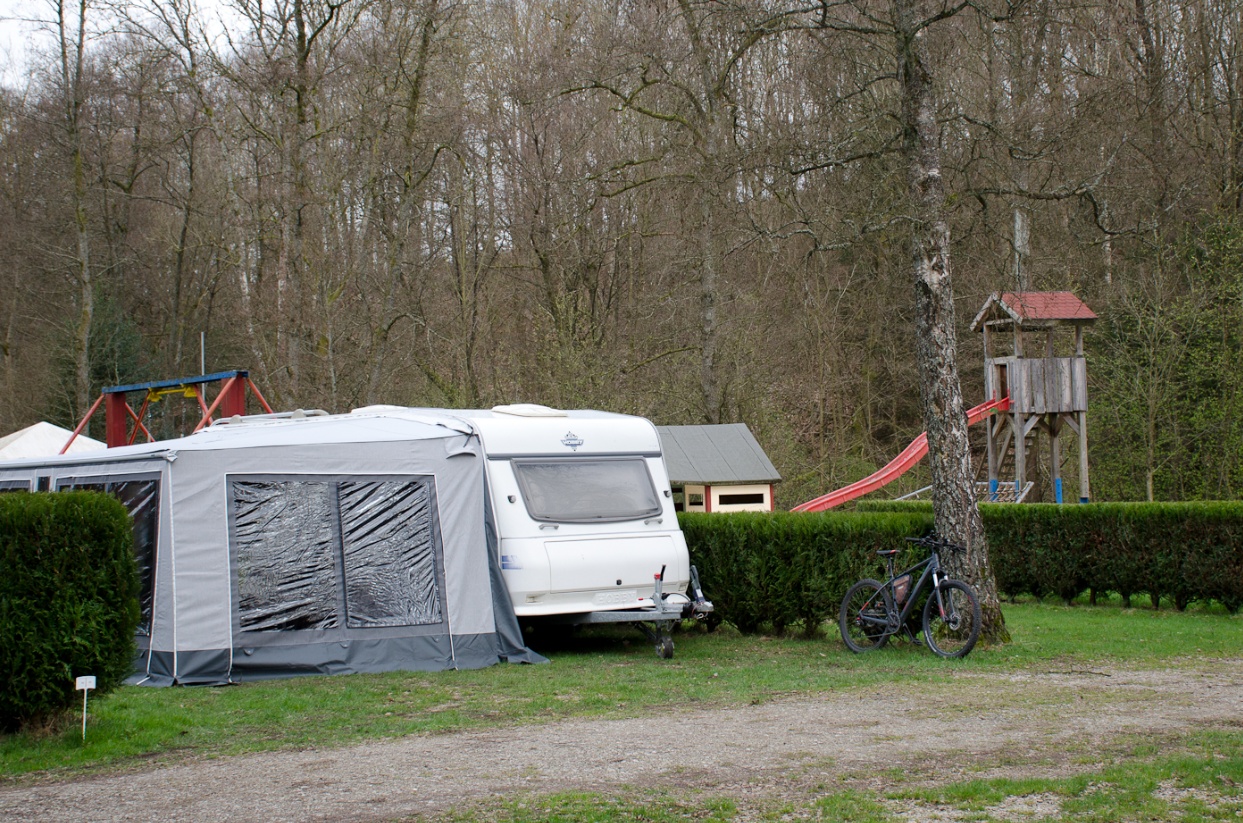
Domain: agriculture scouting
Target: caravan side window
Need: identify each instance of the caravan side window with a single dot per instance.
(141, 498)
(587, 490)
(321, 554)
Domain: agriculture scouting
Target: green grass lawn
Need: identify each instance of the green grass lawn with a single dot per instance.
(605, 673)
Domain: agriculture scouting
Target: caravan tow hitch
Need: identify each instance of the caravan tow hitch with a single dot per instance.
(657, 621)
(659, 632)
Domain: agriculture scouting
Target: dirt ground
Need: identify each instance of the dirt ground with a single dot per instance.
(1036, 723)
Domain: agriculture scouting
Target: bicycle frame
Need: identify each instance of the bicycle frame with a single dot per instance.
(895, 619)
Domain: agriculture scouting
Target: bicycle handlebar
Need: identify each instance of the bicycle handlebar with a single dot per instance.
(932, 541)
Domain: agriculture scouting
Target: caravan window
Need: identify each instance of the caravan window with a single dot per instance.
(141, 498)
(320, 554)
(587, 490)
(14, 486)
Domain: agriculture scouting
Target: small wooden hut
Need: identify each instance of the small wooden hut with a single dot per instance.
(718, 468)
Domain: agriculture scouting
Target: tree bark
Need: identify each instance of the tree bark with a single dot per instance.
(953, 494)
(708, 142)
(72, 52)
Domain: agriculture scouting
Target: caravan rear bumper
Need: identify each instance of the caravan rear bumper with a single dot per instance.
(569, 603)
(663, 606)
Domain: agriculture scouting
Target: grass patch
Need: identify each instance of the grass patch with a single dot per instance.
(1202, 783)
(608, 672)
(578, 807)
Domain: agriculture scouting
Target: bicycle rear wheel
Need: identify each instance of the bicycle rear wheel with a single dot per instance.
(864, 616)
(952, 621)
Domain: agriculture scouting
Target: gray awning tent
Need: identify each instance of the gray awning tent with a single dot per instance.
(322, 545)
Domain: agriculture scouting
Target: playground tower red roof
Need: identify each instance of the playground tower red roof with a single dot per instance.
(1034, 308)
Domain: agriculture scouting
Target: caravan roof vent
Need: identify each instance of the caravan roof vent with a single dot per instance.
(528, 410)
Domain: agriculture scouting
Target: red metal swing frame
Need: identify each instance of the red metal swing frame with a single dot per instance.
(229, 401)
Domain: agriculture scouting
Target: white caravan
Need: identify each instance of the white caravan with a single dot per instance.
(584, 515)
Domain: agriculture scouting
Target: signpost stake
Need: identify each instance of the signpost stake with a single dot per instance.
(85, 684)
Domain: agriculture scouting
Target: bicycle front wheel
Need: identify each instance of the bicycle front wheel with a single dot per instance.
(952, 619)
(864, 616)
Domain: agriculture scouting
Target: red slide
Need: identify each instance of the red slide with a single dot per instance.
(897, 467)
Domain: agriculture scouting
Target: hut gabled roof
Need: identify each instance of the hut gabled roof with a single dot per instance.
(727, 453)
(1033, 309)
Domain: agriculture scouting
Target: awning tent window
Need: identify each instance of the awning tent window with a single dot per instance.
(141, 498)
(317, 554)
(285, 550)
(587, 490)
(390, 554)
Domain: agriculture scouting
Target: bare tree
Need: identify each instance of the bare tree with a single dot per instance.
(688, 83)
(71, 40)
(278, 73)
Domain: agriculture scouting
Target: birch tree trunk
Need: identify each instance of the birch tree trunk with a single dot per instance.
(953, 494)
(72, 42)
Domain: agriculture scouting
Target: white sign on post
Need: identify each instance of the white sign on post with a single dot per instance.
(85, 684)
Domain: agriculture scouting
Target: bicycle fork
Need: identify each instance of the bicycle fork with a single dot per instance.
(950, 616)
(936, 590)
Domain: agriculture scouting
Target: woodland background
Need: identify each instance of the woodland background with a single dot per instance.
(690, 210)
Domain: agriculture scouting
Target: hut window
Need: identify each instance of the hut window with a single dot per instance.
(741, 499)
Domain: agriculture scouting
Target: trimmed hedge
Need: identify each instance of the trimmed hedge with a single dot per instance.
(784, 569)
(1181, 551)
(68, 601)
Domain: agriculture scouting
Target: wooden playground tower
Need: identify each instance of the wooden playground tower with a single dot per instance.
(1045, 376)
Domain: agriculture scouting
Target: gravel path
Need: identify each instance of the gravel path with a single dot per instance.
(1025, 721)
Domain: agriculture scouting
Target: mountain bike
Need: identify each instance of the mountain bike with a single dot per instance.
(872, 612)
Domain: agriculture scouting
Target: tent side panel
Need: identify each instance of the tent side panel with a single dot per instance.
(477, 651)
(509, 644)
(16, 481)
(162, 635)
(460, 497)
(201, 613)
(425, 654)
(142, 485)
(208, 667)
